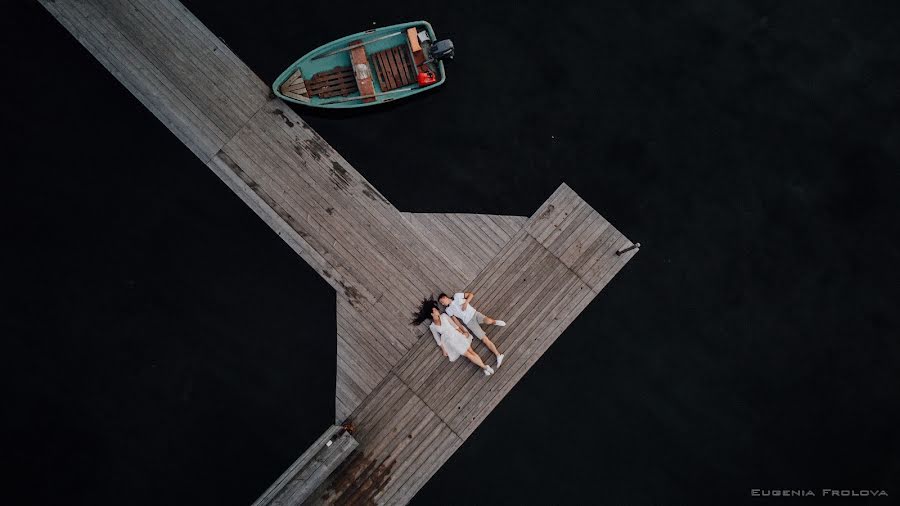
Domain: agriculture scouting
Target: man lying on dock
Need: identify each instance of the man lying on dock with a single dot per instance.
(460, 308)
(451, 337)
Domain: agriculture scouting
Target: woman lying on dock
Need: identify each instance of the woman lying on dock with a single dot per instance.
(453, 339)
(460, 308)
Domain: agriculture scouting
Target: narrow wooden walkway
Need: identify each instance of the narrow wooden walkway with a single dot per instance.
(179, 70)
(300, 480)
(412, 408)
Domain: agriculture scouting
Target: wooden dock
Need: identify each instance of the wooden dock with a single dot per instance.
(410, 407)
(299, 481)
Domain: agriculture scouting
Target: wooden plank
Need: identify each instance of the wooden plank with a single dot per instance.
(245, 80)
(412, 36)
(392, 231)
(394, 69)
(266, 208)
(353, 191)
(307, 210)
(295, 87)
(493, 229)
(376, 342)
(470, 247)
(337, 269)
(310, 470)
(128, 39)
(90, 26)
(406, 68)
(397, 62)
(362, 71)
(439, 452)
(195, 72)
(400, 444)
(397, 65)
(457, 249)
(339, 81)
(365, 355)
(384, 66)
(379, 73)
(157, 51)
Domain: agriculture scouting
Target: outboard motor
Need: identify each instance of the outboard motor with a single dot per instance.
(441, 49)
(437, 51)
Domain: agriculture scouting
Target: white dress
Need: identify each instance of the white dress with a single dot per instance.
(446, 333)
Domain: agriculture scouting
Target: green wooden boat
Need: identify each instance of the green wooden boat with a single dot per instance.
(367, 68)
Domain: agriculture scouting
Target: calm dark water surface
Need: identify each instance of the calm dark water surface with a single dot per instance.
(165, 347)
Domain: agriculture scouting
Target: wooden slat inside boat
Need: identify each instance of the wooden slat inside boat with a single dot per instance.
(361, 71)
(393, 68)
(295, 87)
(337, 82)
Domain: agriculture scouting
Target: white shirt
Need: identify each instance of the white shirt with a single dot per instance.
(455, 308)
(454, 343)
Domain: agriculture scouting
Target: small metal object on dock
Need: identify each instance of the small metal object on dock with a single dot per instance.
(300, 480)
(626, 249)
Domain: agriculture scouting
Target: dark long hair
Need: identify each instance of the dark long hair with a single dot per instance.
(424, 312)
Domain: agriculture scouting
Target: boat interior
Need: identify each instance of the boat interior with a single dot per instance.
(364, 70)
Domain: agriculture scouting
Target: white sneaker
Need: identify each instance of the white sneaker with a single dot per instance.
(500, 323)
(500, 359)
(488, 371)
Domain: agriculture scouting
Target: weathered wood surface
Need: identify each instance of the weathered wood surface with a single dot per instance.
(355, 238)
(295, 87)
(393, 68)
(188, 78)
(283, 170)
(412, 408)
(539, 282)
(469, 241)
(401, 441)
(365, 353)
(337, 82)
(299, 480)
(362, 71)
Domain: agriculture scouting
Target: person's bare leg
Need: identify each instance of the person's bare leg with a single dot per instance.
(487, 342)
(471, 355)
(491, 321)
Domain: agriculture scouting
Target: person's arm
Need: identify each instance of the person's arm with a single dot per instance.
(466, 299)
(459, 326)
(439, 339)
(435, 334)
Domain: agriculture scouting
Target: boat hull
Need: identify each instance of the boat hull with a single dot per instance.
(329, 68)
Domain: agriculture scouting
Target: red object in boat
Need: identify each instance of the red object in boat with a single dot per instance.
(426, 78)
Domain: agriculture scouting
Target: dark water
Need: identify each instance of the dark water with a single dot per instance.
(163, 346)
